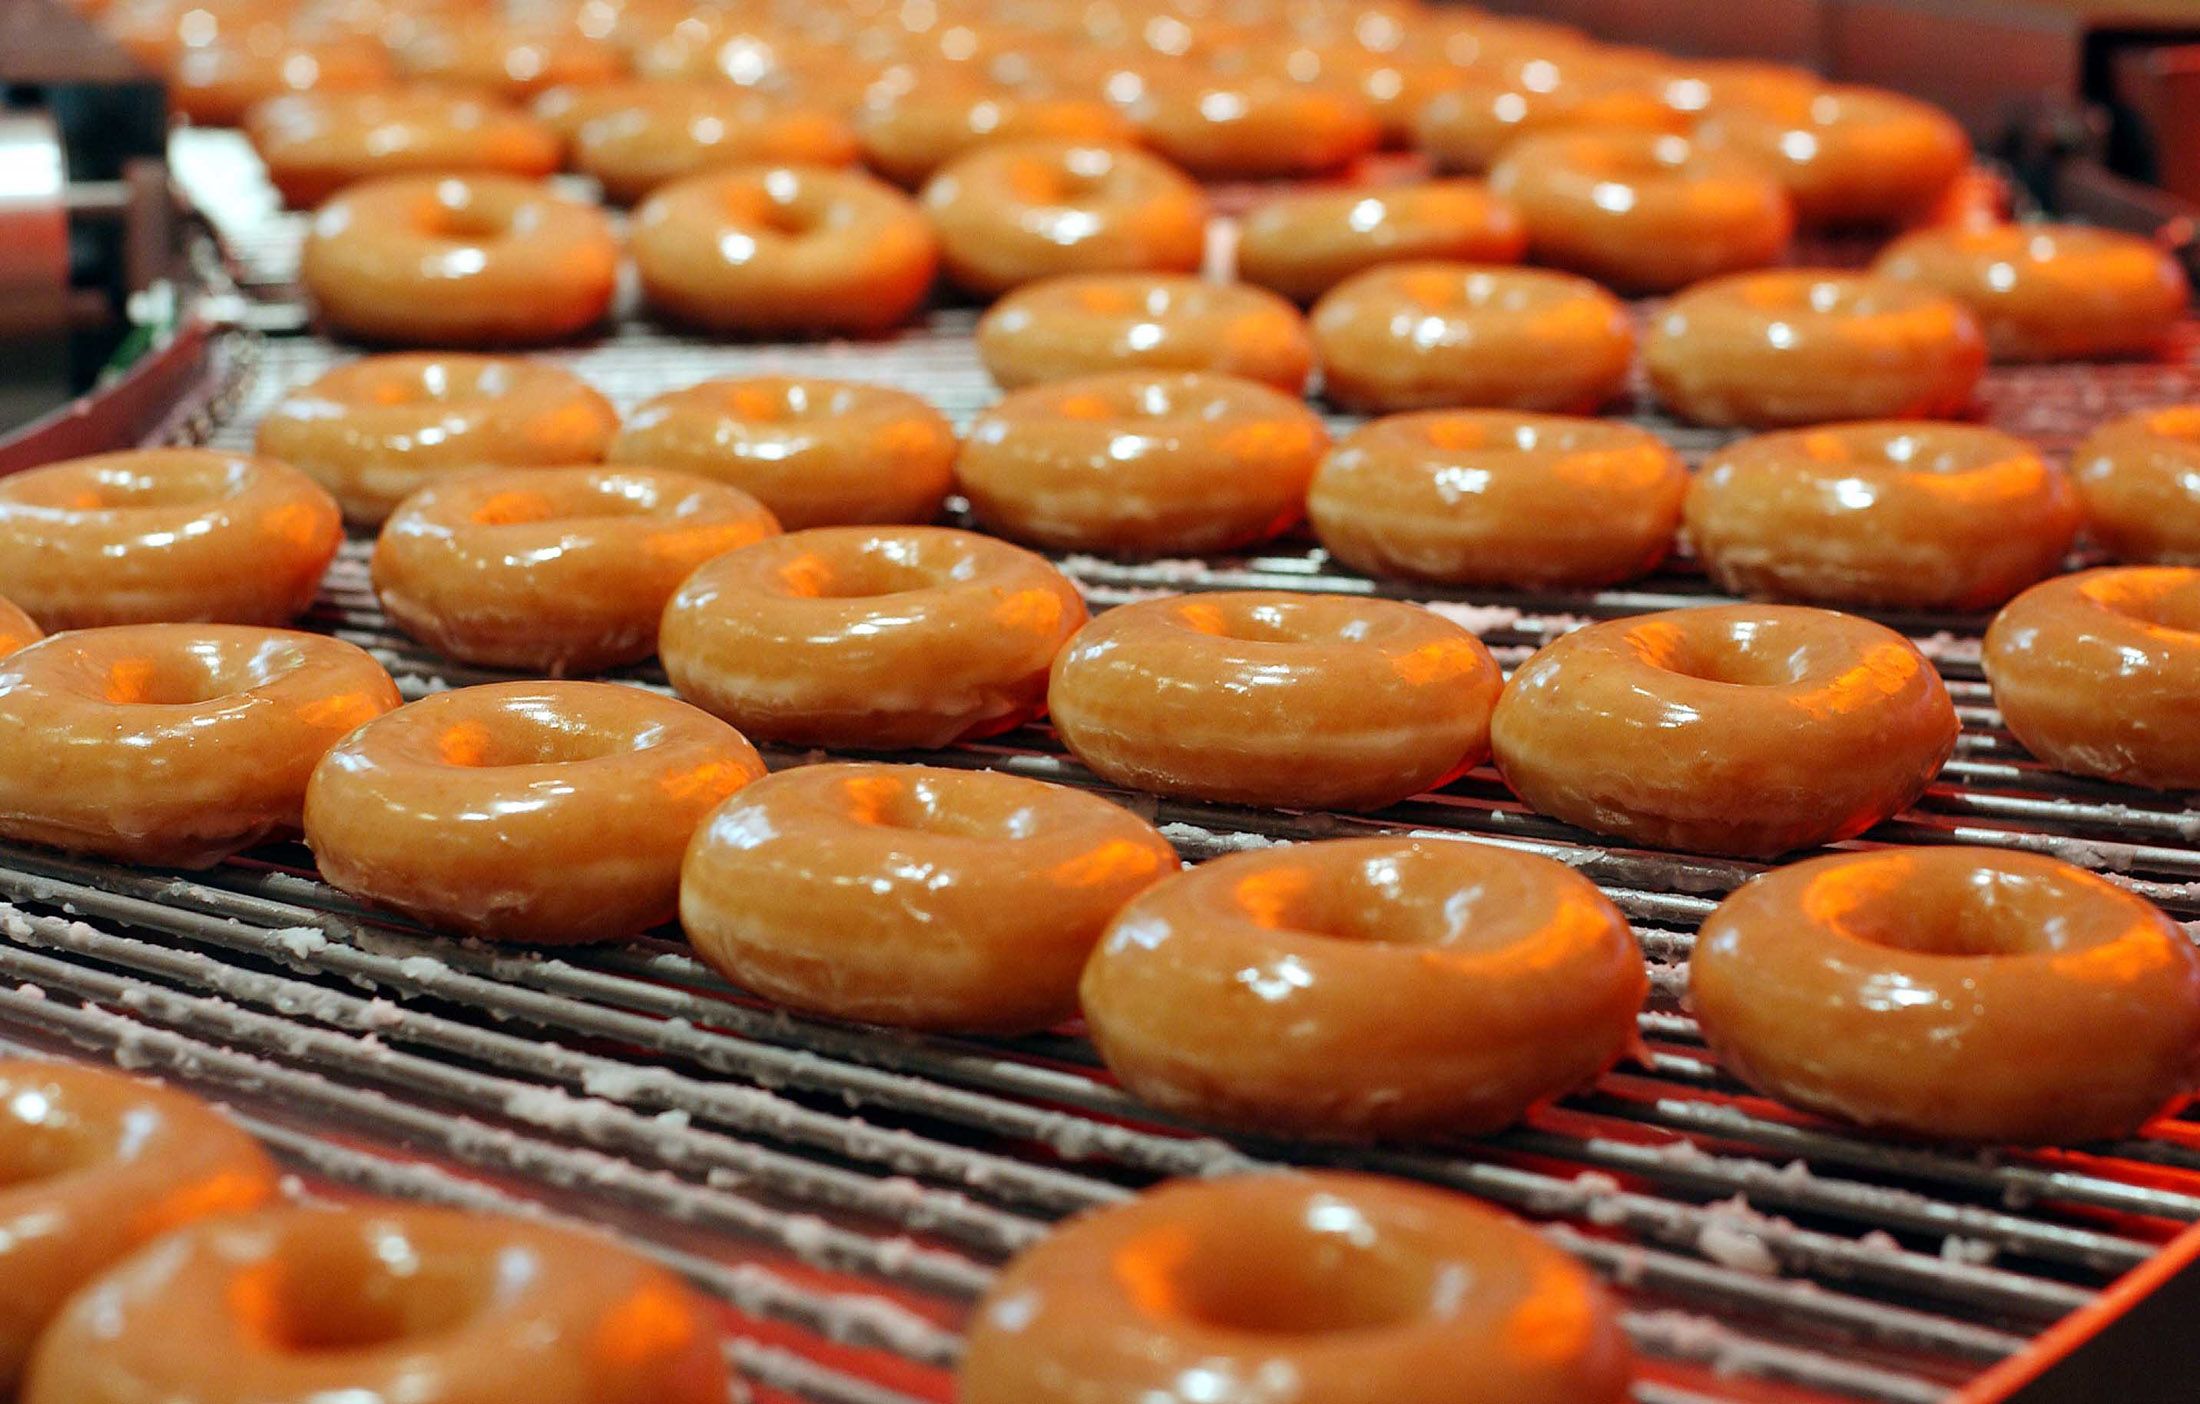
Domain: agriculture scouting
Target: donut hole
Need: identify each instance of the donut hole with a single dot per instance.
(1318, 1268)
(1276, 621)
(780, 401)
(2167, 597)
(1752, 653)
(206, 671)
(2179, 422)
(363, 1292)
(118, 484)
(528, 731)
(1920, 448)
(1395, 899)
(886, 569)
(1930, 911)
(942, 805)
(601, 498)
(41, 1139)
(458, 215)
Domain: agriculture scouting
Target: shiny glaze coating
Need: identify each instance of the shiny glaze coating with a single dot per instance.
(1899, 513)
(913, 896)
(375, 430)
(315, 144)
(1847, 155)
(1961, 994)
(873, 638)
(164, 535)
(1747, 730)
(1697, 86)
(173, 744)
(907, 136)
(459, 261)
(93, 1165)
(1086, 323)
(1408, 336)
(1259, 127)
(1138, 462)
(215, 85)
(1643, 211)
(783, 250)
(2139, 480)
(1808, 346)
(1012, 212)
(1270, 698)
(504, 58)
(16, 628)
(682, 129)
(546, 812)
(2049, 292)
(1356, 1290)
(1304, 243)
(816, 452)
(378, 1303)
(1469, 127)
(2098, 673)
(1364, 988)
(553, 570)
(1488, 497)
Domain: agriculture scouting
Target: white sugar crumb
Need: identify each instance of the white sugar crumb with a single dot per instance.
(1971, 1252)
(1733, 1235)
(422, 968)
(1207, 843)
(301, 942)
(30, 991)
(380, 1014)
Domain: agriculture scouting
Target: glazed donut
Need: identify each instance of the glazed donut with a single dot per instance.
(1909, 515)
(2045, 292)
(1303, 244)
(16, 628)
(102, 1164)
(375, 430)
(816, 452)
(504, 59)
(1135, 462)
(1014, 211)
(1470, 125)
(871, 638)
(1847, 155)
(681, 129)
(567, 107)
(783, 249)
(1260, 127)
(1484, 497)
(459, 261)
(1806, 346)
(216, 85)
(383, 1301)
(2038, 1003)
(1405, 336)
(913, 896)
(1643, 211)
(2098, 673)
(2139, 480)
(1403, 989)
(1083, 324)
(315, 144)
(1743, 730)
(1350, 1286)
(1697, 86)
(553, 570)
(1277, 699)
(173, 745)
(907, 136)
(165, 535)
(545, 812)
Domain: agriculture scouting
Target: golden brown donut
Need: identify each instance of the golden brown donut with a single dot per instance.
(1015, 211)
(383, 1301)
(1698, 86)
(99, 1165)
(1746, 730)
(315, 144)
(16, 628)
(816, 452)
(1305, 243)
(1405, 336)
(217, 84)
(1261, 127)
(1487, 497)
(1808, 346)
(165, 535)
(682, 129)
(1642, 211)
(1960, 994)
(506, 59)
(1848, 155)
(2139, 480)
(1083, 324)
(914, 896)
(1270, 698)
(553, 570)
(1138, 462)
(1364, 988)
(545, 812)
(375, 430)
(459, 261)
(567, 107)
(778, 250)
(1351, 1287)
(907, 136)
(2098, 673)
(1898, 513)
(2049, 292)
(870, 638)
(1469, 126)
(173, 744)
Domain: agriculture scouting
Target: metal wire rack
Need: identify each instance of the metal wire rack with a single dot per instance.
(849, 1191)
